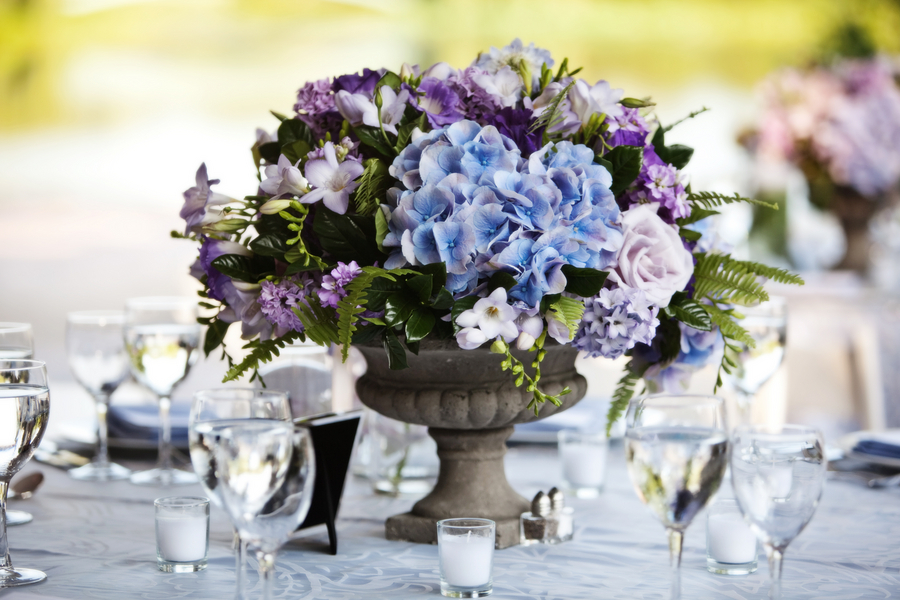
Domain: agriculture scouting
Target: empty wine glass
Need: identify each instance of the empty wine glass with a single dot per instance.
(266, 486)
(210, 411)
(24, 409)
(16, 341)
(96, 347)
(676, 448)
(778, 475)
(162, 336)
(767, 325)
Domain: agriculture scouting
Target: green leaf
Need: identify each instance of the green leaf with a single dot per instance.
(459, 307)
(690, 312)
(690, 235)
(709, 200)
(604, 163)
(551, 115)
(669, 335)
(443, 300)
(380, 290)
(269, 244)
(420, 324)
(412, 347)
(501, 279)
(678, 155)
(261, 351)
(398, 309)
(299, 267)
(346, 237)
(438, 271)
(296, 151)
(422, 286)
(392, 80)
(373, 184)
(697, 214)
(626, 166)
(371, 137)
(569, 311)
(728, 326)
(404, 132)
(547, 300)
(366, 334)
(636, 103)
(622, 396)
(319, 322)
(292, 130)
(235, 266)
(270, 151)
(381, 229)
(583, 282)
(215, 334)
(394, 349)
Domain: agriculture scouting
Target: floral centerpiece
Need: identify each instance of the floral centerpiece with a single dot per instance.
(507, 204)
(838, 121)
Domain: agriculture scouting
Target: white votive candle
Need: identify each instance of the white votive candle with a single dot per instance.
(466, 560)
(730, 540)
(583, 457)
(182, 538)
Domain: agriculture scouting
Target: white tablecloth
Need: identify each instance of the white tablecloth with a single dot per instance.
(97, 541)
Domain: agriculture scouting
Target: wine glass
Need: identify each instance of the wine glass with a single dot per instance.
(676, 448)
(213, 409)
(767, 325)
(16, 341)
(266, 487)
(24, 409)
(96, 347)
(162, 336)
(778, 474)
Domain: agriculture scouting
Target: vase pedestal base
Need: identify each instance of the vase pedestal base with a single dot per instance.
(408, 527)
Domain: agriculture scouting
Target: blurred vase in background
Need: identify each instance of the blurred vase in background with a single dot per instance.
(396, 457)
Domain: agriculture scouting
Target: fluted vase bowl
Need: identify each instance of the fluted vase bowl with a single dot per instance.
(470, 407)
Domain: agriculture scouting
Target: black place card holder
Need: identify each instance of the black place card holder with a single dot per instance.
(333, 436)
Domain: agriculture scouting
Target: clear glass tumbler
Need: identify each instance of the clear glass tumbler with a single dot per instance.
(731, 546)
(466, 553)
(583, 458)
(182, 534)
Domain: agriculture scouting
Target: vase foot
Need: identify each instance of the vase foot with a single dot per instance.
(408, 527)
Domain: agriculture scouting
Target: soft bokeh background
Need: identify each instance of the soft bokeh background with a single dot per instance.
(107, 107)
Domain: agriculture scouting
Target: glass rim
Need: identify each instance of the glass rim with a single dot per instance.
(162, 302)
(21, 364)
(581, 433)
(83, 317)
(181, 501)
(665, 400)
(777, 432)
(14, 327)
(457, 523)
(211, 393)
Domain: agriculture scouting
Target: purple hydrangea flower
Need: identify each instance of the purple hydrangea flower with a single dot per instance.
(477, 102)
(516, 124)
(332, 290)
(440, 102)
(315, 98)
(277, 301)
(615, 320)
(358, 84)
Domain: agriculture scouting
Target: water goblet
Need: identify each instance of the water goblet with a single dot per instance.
(16, 341)
(767, 325)
(266, 476)
(95, 343)
(676, 449)
(210, 411)
(24, 409)
(778, 474)
(162, 336)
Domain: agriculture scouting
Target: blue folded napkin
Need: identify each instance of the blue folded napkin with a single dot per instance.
(141, 422)
(877, 448)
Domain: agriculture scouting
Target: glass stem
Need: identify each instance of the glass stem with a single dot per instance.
(101, 459)
(675, 541)
(776, 557)
(266, 572)
(240, 559)
(745, 407)
(4, 543)
(165, 435)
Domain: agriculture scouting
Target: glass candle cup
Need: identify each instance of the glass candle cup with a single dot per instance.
(583, 457)
(182, 534)
(731, 546)
(466, 554)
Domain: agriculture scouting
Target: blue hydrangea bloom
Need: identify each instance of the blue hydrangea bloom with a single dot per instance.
(466, 197)
(615, 320)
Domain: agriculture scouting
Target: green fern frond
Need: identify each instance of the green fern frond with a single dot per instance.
(319, 322)
(720, 278)
(551, 116)
(569, 311)
(709, 200)
(355, 301)
(622, 396)
(262, 352)
(372, 185)
(772, 273)
(728, 326)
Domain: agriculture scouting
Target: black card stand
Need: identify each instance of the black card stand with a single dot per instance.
(333, 436)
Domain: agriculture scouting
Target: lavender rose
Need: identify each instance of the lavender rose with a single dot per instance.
(652, 257)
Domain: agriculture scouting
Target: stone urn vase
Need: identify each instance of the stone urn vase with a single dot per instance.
(470, 406)
(854, 213)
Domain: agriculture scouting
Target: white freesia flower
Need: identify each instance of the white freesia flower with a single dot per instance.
(600, 98)
(284, 179)
(530, 328)
(505, 85)
(359, 109)
(489, 318)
